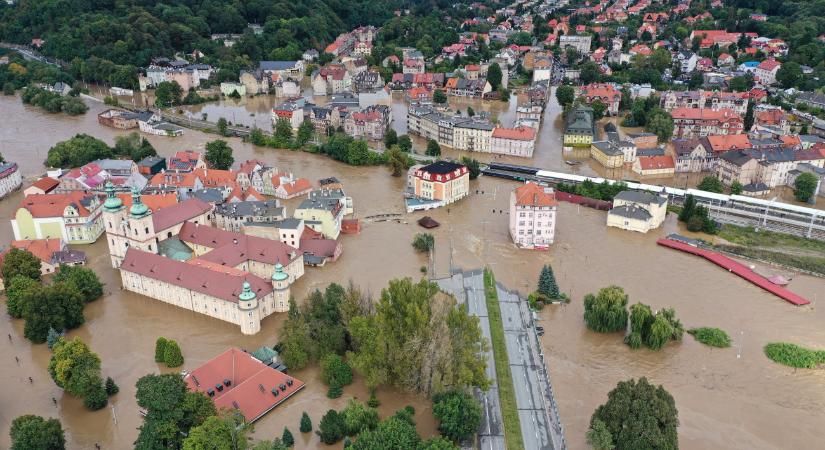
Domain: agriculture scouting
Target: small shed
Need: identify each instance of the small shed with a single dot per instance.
(428, 222)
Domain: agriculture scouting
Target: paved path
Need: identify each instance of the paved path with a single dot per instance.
(468, 288)
(541, 427)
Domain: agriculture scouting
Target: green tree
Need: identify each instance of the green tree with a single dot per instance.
(503, 94)
(789, 75)
(433, 149)
(589, 73)
(397, 160)
(168, 94)
(711, 184)
(423, 242)
(358, 153)
(606, 312)
(439, 96)
(20, 262)
(331, 429)
(58, 306)
(358, 417)
(393, 433)
(172, 355)
(736, 187)
(20, 291)
(96, 398)
(306, 423)
(305, 132)
(660, 123)
(76, 369)
(547, 283)
(219, 155)
(688, 208)
(335, 372)
(223, 127)
(639, 415)
(82, 279)
(494, 76)
(52, 338)
(565, 95)
(599, 437)
(405, 143)
(257, 137)
(111, 387)
(171, 411)
(473, 166)
(287, 438)
(295, 339)
(227, 431)
(32, 432)
(805, 186)
(283, 131)
(696, 80)
(160, 349)
(458, 414)
(133, 146)
(390, 138)
(470, 111)
(599, 109)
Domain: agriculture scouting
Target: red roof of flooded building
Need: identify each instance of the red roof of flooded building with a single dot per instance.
(519, 133)
(656, 162)
(231, 248)
(179, 213)
(531, 194)
(155, 202)
(724, 143)
(43, 249)
(251, 384)
(46, 184)
(53, 205)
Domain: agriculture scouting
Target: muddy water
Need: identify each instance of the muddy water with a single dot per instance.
(724, 401)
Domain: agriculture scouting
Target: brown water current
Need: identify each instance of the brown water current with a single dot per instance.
(727, 398)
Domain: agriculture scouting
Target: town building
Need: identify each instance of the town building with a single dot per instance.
(606, 93)
(333, 79)
(236, 380)
(151, 165)
(579, 130)
(255, 81)
(637, 211)
(74, 217)
(233, 216)
(533, 216)
(52, 253)
(766, 71)
(293, 70)
(655, 166)
(10, 178)
(712, 100)
(614, 151)
(518, 141)
(323, 211)
(693, 123)
(230, 88)
(371, 122)
(42, 186)
(437, 184)
(580, 43)
(118, 118)
(292, 111)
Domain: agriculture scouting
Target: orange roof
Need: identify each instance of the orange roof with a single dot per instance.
(520, 133)
(297, 186)
(43, 249)
(46, 184)
(472, 67)
(723, 143)
(250, 193)
(790, 140)
(704, 114)
(216, 177)
(603, 90)
(53, 205)
(178, 179)
(531, 194)
(656, 162)
(153, 201)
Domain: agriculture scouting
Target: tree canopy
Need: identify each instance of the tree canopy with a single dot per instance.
(606, 312)
(219, 155)
(32, 432)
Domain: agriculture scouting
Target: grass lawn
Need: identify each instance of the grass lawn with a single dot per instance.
(506, 391)
(747, 236)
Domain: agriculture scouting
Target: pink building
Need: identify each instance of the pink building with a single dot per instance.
(533, 216)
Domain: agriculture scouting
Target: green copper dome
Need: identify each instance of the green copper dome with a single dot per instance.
(138, 209)
(112, 203)
(279, 274)
(247, 294)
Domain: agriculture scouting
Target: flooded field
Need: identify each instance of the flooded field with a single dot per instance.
(724, 401)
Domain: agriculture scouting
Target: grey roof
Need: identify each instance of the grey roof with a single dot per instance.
(641, 197)
(476, 125)
(250, 208)
(150, 161)
(321, 194)
(580, 120)
(114, 164)
(736, 157)
(755, 187)
(208, 195)
(326, 203)
(277, 65)
(607, 148)
(631, 212)
(655, 151)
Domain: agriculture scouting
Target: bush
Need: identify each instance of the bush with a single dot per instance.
(713, 337)
(111, 387)
(358, 417)
(335, 372)
(335, 391)
(332, 427)
(96, 398)
(306, 423)
(423, 242)
(287, 438)
(794, 356)
(606, 312)
(458, 414)
(172, 355)
(160, 349)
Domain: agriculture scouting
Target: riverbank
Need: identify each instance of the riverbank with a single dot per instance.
(779, 249)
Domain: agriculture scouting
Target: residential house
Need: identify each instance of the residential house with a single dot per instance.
(332, 79)
(230, 88)
(713, 100)
(607, 93)
(690, 122)
(613, 152)
(233, 216)
(687, 61)
(10, 178)
(518, 141)
(637, 211)
(766, 71)
(52, 253)
(655, 166)
(533, 216)
(579, 129)
(437, 184)
(42, 186)
(74, 217)
(292, 111)
(293, 70)
(580, 43)
(255, 81)
(323, 213)
(370, 123)
(368, 81)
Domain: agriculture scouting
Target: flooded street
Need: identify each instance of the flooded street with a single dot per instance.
(724, 401)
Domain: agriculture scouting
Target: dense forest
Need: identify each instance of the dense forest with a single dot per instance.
(107, 40)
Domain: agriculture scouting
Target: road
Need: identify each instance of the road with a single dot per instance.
(468, 288)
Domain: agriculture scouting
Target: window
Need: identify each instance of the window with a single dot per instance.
(147, 230)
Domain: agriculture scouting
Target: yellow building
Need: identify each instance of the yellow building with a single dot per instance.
(637, 211)
(323, 211)
(607, 154)
(579, 131)
(438, 184)
(74, 217)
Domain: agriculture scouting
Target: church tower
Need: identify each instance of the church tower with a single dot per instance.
(280, 283)
(250, 320)
(113, 216)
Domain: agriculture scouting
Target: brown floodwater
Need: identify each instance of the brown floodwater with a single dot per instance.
(727, 398)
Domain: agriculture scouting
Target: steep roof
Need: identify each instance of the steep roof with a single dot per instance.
(53, 205)
(155, 202)
(656, 162)
(222, 283)
(179, 213)
(231, 249)
(251, 383)
(723, 143)
(531, 194)
(46, 184)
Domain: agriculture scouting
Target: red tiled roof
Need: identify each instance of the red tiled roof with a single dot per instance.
(155, 202)
(531, 194)
(769, 65)
(177, 179)
(231, 248)
(53, 205)
(704, 114)
(297, 186)
(179, 213)
(43, 249)
(216, 177)
(46, 184)
(223, 283)
(656, 162)
(724, 143)
(251, 383)
(519, 133)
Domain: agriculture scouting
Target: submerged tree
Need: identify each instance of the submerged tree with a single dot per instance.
(638, 415)
(606, 312)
